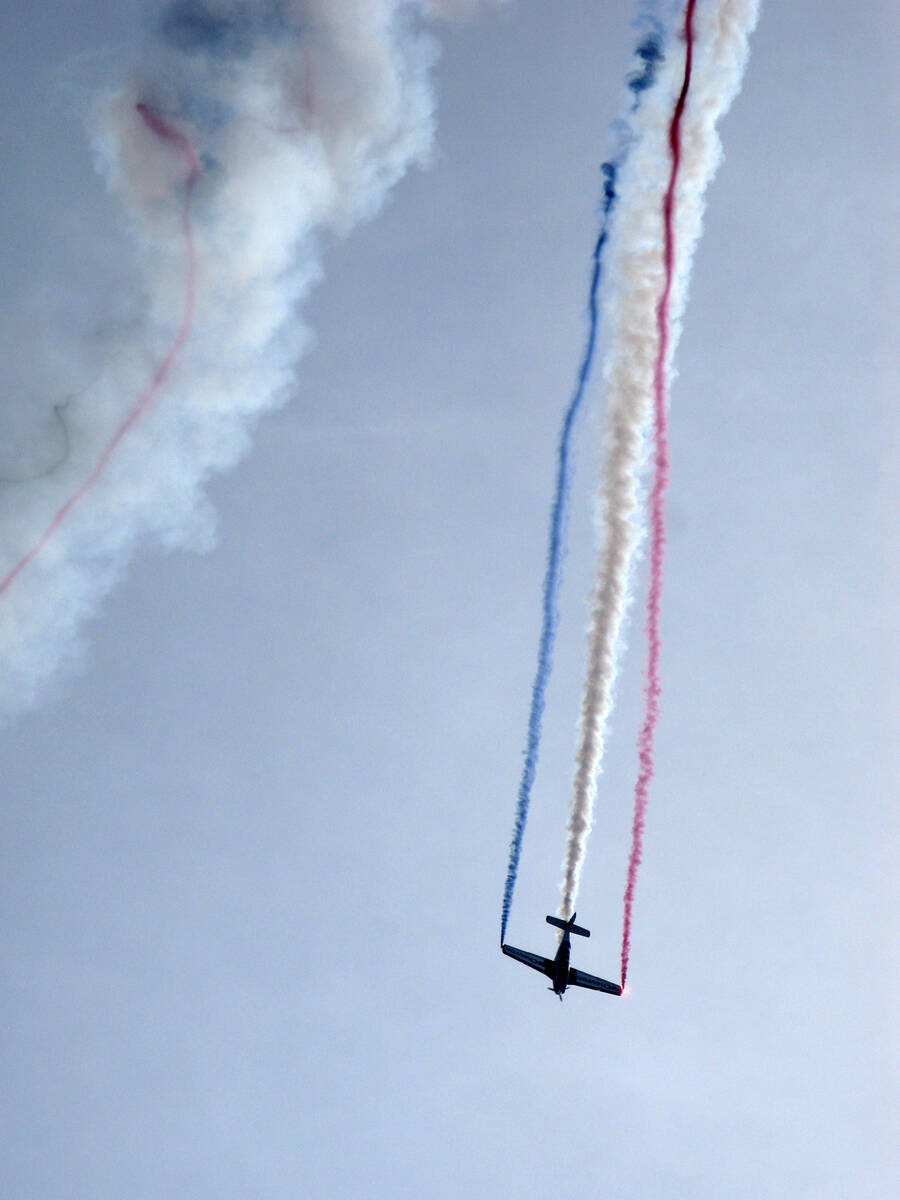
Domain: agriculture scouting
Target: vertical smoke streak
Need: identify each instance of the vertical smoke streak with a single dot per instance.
(559, 516)
(648, 52)
(657, 501)
(636, 273)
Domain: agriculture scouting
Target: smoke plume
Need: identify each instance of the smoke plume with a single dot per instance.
(251, 131)
(636, 281)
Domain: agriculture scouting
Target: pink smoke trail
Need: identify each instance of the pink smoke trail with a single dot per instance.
(657, 504)
(148, 397)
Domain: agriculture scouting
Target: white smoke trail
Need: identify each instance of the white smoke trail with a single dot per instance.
(303, 113)
(635, 279)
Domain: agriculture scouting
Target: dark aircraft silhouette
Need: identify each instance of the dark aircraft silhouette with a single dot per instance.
(558, 969)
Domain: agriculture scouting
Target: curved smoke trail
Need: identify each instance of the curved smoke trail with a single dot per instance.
(302, 115)
(638, 271)
(145, 401)
(649, 53)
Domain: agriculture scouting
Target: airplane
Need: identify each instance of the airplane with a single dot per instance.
(557, 969)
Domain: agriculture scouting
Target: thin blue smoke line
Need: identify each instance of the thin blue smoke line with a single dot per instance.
(559, 515)
(650, 53)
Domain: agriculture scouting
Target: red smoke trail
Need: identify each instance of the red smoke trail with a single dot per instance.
(148, 397)
(657, 502)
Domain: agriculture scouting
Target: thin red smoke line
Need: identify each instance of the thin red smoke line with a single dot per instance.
(657, 504)
(147, 398)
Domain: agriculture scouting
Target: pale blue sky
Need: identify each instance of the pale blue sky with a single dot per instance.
(253, 853)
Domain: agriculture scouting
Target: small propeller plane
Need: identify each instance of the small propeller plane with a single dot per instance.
(557, 969)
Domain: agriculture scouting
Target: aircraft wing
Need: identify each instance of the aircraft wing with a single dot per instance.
(544, 965)
(582, 979)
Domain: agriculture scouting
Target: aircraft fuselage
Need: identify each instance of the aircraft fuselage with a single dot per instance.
(561, 966)
(557, 969)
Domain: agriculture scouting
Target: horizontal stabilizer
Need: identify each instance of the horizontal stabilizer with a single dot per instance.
(560, 924)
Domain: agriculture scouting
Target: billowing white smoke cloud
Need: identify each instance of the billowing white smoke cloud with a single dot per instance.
(302, 114)
(634, 271)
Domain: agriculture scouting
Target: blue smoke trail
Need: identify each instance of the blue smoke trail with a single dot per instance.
(649, 51)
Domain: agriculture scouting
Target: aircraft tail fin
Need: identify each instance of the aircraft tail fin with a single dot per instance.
(570, 925)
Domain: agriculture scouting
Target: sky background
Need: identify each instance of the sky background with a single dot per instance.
(253, 854)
